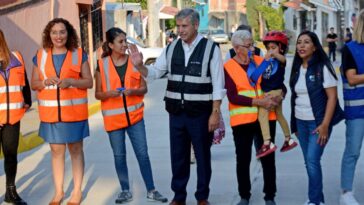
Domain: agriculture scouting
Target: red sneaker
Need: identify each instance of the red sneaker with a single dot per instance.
(266, 149)
(288, 145)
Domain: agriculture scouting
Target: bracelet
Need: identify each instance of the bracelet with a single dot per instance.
(43, 82)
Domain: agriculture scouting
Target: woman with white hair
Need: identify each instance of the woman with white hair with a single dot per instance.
(244, 100)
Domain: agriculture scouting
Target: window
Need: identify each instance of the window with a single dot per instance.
(96, 16)
(84, 28)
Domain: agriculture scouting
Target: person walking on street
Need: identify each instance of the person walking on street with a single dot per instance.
(121, 90)
(332, 38)
(314, 107)
(348, 35)
(15, 99)
(244, 101)
(61, 77)
(194, 92)
(353, 81)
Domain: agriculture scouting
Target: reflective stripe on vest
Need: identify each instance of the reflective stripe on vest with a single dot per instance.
(349, 87)
(61, 104)
(115, 112)
(190, 79)
(122, 110)
(354, 95)
(12, 106)
(190, 97)
(203, 79)
(12, 101)
(54, 103)
(244, 114)
(44, 60)
(14, 88)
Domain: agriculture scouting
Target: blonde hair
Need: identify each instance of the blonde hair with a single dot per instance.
(358, 34)
(4, 50)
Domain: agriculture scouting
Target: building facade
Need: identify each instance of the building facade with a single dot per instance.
(24, 21)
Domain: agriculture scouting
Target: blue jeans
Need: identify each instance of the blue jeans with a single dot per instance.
(312, 152)
(354, 140)
(138, 140)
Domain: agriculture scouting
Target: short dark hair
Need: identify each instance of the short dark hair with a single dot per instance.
(244, 27)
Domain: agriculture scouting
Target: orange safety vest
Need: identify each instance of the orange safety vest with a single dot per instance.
(11, 95)
(56, 104)
(116, 113)
(244, 114)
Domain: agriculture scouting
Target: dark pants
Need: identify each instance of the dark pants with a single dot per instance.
(9, 140)
(185, 129)
(332, 52)
(243, 138)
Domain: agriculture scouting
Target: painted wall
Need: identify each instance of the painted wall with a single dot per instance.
(23, 28)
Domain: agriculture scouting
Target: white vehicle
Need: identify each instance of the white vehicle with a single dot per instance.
(149, 54)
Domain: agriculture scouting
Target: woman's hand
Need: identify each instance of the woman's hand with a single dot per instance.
(51, 81)
(128, 92)
(66, 83)
(323, 131)
(267, 102)
(113, 93)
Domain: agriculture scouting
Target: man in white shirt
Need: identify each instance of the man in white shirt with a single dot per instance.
(193, 98)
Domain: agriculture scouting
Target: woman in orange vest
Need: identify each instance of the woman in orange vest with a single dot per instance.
(61, 77)
(244, 100)
(121, 90)
(15, 99)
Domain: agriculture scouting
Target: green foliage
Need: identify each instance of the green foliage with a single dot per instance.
(253, 17)
(170, 23)
(272, 17)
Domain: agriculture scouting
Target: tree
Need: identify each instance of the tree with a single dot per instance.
(262, 17)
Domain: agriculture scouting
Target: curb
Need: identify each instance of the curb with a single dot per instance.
(32, 140)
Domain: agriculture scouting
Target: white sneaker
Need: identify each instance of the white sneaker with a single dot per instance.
(348, 199)
(308, 203)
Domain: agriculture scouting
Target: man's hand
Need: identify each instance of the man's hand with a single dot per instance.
(214, 121)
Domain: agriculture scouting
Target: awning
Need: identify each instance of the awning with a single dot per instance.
(168, 12)
(329, 5)
(294, 4)
(298, 5)
(89, 2)
(217, 14)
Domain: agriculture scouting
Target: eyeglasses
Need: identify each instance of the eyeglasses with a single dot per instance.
(246, 46)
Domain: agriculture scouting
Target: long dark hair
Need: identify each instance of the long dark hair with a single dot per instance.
(318, 57)
(72, 38)
(111, 34)
(4, 51)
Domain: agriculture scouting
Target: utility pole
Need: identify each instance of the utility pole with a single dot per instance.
(153, 23)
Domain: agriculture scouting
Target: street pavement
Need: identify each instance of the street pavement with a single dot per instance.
(34, 179)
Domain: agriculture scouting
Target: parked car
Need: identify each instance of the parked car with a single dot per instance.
(149, 54)
(205, 33)
(219, 36)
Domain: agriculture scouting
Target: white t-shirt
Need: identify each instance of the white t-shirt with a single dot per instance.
(303, 109)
